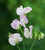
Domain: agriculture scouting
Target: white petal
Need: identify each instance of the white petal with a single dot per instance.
(27, 9)
(23, 24)
(20, 39)
(30, 34)
(24, 19)
(19, 10)
(15, 24)
(31, 27)
(16, 35)
(12, 41)
(26, 31)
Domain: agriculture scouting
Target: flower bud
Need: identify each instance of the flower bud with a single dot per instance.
(41, 36)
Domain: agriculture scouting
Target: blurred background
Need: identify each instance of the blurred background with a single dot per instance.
(36, 18)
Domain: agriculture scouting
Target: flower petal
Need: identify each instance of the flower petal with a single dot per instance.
(12, 41)
(31, 28)
(23, 19)
(20, 39)
(26, 31)
(22, 24)
(30, 34)
(16, 35)
(27, 9)
(19, 10)
(15, 24)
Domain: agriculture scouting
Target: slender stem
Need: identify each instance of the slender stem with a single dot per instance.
(23, 39)
(18, 47)
(32, 44)
(23, 45)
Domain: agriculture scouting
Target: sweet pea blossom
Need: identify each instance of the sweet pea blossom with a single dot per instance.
(21, 11)
(41, 36)
(15, 24)
(15, 38)
(23, 20)
(27, 33)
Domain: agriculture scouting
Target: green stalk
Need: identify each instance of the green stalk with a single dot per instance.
(36, 35)
(18, 47)
(32, 44)
(23, 39)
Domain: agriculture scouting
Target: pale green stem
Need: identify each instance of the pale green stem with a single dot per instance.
(32, 44)
(23, 39)
(18, 47)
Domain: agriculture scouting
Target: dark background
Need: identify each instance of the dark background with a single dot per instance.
(36, 17)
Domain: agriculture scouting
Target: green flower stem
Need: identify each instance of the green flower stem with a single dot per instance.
(23, 39)
(18, 47)
(32, 44)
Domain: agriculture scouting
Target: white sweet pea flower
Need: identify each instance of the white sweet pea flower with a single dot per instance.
(15, 38)
(21, 11)
(23, 20)
(15, 24)
(27, 33)
(41, 36)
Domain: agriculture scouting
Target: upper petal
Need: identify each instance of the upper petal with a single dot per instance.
(16, 35)
(19, 10)
(31, 28)
(20, 39)
(27, 9)
(23, 19)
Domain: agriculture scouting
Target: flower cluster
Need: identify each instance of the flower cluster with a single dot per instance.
(23, 19)
(16, 24)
